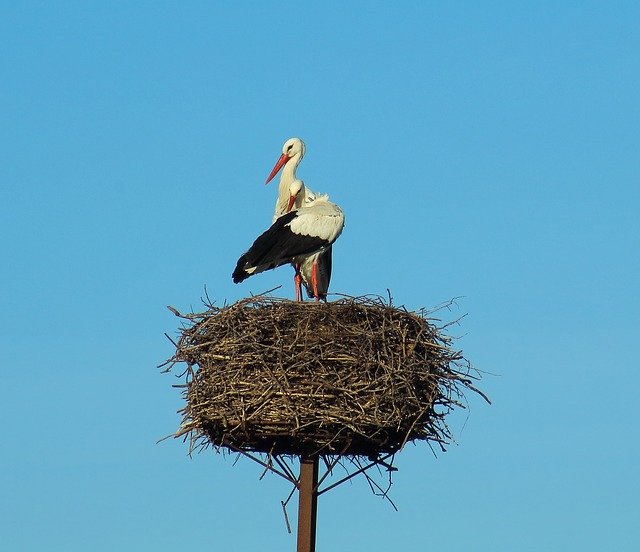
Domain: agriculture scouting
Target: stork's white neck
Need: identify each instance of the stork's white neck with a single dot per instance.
(287, 176)
(289, 170)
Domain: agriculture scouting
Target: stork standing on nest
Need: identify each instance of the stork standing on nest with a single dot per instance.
(293, 151)
(301, 233)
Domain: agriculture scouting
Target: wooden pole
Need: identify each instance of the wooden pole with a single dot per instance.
(307, 503)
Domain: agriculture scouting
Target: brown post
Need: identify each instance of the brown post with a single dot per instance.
(307, 503)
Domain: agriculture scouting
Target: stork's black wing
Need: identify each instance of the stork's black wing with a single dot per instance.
(275, 247)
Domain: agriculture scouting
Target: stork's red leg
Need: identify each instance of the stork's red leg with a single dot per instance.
(297, 281)
(314, 280)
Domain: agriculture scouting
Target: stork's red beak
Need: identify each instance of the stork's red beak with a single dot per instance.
(292, 200)
(281, 162)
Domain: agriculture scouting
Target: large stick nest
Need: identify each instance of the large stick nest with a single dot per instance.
(352, 377)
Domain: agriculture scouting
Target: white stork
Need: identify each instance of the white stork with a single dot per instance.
(292, 197)
(295, 236)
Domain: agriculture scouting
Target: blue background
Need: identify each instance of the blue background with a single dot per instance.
(481, 150)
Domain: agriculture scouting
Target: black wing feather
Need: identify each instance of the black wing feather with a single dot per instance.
(275, 247)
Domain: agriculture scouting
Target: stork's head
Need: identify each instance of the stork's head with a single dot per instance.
(292, 148)
(296, 188)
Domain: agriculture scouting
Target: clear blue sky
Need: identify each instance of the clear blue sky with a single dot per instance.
(488, 150)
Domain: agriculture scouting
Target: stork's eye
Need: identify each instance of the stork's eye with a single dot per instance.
(290, 146)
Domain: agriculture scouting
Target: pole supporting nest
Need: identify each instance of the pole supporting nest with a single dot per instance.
(308, 503)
